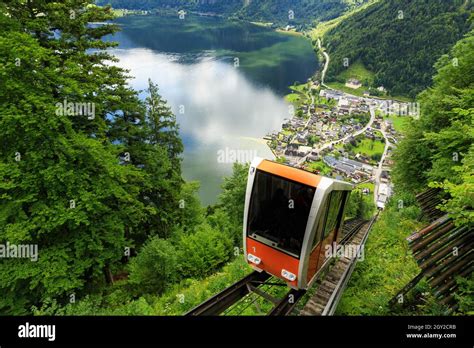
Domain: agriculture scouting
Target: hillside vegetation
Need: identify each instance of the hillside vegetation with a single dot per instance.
(100, 195)
(437, 150)
(282, 12)
(398, 40)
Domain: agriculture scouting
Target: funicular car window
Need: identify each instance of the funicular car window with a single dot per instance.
(278, 212)
(334, 207)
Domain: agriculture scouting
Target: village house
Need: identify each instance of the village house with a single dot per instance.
(304, 150)
(353, 83)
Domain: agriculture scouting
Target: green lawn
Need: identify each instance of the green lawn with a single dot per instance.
(301, 88)
(287, 132)
(300, 95)
(368, 185)
(399, 122)
(294, 98)
(359, 72)
(369, 147)
(320, 166)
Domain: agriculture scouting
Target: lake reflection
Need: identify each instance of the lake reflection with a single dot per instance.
(220, 109)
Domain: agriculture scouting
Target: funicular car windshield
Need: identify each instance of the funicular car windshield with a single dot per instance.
(278, 212)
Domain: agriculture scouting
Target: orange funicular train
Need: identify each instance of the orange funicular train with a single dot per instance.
(290, 216)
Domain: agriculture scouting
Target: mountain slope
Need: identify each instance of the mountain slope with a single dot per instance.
(399, 40)
(281, 12)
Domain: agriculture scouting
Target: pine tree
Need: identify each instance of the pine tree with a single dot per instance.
(60, 189)
(81, 186)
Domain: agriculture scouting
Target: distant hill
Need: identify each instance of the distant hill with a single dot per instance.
(398, 40)
(211, 6)
(280, 12)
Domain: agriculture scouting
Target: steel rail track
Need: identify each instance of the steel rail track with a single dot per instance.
(289, 302)
(332, 286)
(222, 301)
(342, 284)
(227, 297)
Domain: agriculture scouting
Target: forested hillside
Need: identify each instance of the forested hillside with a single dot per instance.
(209, 6)
(398, 40)
(438, 148)
(90, 173)
(282, 12)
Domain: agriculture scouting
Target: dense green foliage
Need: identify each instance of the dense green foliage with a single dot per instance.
(398, 40)
(465, 295)
(278, 12)
(178, 299)
(360, 205)
(171, 276)
(203, 252)
(155, 266)
(62, 186)
(102, 196)
(97, 189)
(438, 148)
(387, 265)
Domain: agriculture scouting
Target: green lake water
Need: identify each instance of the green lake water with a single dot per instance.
(224, 80)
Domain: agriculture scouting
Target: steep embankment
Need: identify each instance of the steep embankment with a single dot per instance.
(398, 40)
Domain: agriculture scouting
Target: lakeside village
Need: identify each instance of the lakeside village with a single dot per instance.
(340, 135)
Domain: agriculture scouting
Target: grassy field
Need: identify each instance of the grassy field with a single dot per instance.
(369, 147)
(399, 122)
(320, 166)
(300, 88)
(369, 185)
(294, 98)
(286, 132)
(300, 94)
(359, 72)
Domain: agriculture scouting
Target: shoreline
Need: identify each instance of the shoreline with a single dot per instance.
(268, 25)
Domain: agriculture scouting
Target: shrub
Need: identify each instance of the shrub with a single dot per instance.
(154, 267)
(203, 252)
(465, 295)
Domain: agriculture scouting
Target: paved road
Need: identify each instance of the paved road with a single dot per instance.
(378, 171)
(326, 64)
(334, 142)
(354, 134)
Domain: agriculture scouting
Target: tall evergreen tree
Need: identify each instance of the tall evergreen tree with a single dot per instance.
(84, 172)
(60, 189)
